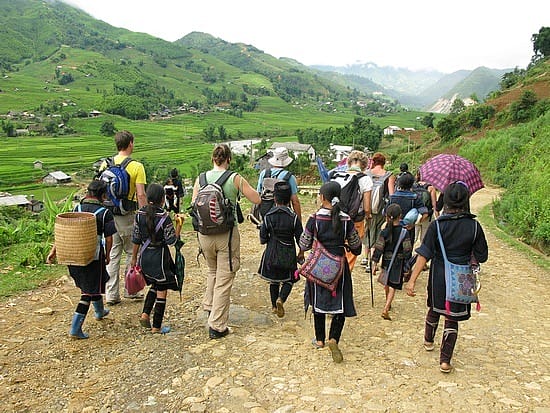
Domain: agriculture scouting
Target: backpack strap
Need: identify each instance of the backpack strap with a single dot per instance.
(223, 178)
(125, 162)
(402, 236)
(148, 241)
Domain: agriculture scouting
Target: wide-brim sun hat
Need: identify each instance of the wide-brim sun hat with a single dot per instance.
(280, 158)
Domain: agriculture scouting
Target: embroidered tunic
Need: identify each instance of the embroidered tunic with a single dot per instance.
(319, 297)
(458, 231)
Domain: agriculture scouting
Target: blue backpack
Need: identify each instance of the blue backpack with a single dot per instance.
(118, 186)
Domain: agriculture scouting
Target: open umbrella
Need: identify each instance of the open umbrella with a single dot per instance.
(444, 169)
(180, 265)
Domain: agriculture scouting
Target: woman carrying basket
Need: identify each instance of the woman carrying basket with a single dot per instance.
(91, 278)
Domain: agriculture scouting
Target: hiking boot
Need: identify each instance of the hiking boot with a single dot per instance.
(214, 334)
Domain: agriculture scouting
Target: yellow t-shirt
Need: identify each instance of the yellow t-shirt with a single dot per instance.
(135, 170)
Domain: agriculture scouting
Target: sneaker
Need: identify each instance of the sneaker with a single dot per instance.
(337, 356)
(364, 261)
(138, 296)
(113, 301)
(214, 334)
(280, 308)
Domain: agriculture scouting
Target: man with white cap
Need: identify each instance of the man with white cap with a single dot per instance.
(280, 160)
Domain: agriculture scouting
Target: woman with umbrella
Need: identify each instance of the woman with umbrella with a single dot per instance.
(464, 241)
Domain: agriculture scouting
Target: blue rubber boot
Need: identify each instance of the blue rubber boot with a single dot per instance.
(76, 326)
(100, 311)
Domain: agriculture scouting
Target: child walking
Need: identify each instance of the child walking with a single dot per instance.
(394, 247)
(332, 228)
(153, 233)
(91, 278)
(280, 231)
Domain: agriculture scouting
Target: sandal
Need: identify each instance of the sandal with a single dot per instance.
(337, 356)
(386, 316)
(145, 322)
(162, 330)
(315, 344)
(428, 346)
(445, 367)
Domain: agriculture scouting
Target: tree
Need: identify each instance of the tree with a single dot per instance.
(108, 128)
(448, 128)
(522, 110)
(8, 128)
(428, 120)
(457, 107)
(541, 44)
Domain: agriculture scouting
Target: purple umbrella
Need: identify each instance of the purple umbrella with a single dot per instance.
(444, 169)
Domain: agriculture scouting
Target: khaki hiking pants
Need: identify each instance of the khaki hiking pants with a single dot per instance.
(220, 278)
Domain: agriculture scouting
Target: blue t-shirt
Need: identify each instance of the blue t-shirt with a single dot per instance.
(278, 173)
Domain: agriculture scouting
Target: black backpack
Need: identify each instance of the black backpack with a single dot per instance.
(268, 189)
(351, 197)
(422, 193)
(211, 211)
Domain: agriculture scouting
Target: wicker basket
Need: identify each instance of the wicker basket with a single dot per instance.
(75, 238)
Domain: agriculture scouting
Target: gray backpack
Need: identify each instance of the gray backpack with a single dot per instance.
(212, 212)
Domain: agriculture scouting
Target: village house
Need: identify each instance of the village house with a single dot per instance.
(296, 148)
(56, 178)
(390, 130)
(340, 151)
(32, 205)
(38, 164)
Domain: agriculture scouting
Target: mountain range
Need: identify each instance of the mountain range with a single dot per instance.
(423, 89)
(198, 69)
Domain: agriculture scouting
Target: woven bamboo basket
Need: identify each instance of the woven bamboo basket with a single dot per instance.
(75, 238)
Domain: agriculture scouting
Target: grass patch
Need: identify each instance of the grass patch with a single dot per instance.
(14, 280)
(487, 218)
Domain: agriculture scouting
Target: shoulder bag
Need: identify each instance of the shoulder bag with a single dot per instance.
(322, 267)
(461, 283)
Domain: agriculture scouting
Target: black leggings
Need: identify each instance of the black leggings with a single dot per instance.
(284, 292)
(336, 326)
(450, 334)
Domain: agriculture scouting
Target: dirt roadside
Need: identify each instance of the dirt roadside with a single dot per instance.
(268, 364)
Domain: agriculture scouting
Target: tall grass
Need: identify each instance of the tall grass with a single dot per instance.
(518, 159)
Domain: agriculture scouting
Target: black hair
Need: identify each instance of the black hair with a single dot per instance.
(405, 181)
(174, 173)
(97, 189)
(282, 193)
(393, 211)
(331, 190)
(155, 198)
(456, 197)
(404, 167)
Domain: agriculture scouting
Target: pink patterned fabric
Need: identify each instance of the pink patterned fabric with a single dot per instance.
(444, 169)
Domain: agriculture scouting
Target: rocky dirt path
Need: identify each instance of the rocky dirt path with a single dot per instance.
(268, 364)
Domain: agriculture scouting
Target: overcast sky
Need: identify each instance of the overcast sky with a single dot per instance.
(434, 34)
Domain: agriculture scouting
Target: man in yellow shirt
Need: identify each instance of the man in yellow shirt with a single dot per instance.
(122, 241)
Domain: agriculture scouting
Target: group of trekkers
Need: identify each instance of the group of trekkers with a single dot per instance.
(363, 210)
